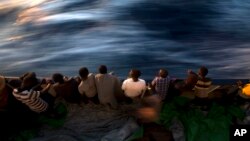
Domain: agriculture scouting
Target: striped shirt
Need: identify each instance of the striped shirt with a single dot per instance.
(32, 100)
(202, 87)
(161, 86)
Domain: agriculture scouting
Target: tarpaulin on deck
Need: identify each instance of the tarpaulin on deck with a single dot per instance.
(200, 126)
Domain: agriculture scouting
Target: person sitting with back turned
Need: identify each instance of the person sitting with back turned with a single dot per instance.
(66, 88)
(87, 87)
(32, 98)
(203, 84)
(106, 85)
(134, 87)
(186, 86)
(160, 84)
(202, 89)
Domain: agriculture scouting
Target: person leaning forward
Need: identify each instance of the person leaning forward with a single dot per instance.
(37, 101)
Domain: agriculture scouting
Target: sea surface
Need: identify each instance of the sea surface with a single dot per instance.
(48, 36)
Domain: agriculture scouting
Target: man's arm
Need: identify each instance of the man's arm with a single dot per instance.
(46, 89)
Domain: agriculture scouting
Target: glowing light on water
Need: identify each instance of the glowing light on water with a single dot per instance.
(20, 3)
(30, 15)
(66, 34)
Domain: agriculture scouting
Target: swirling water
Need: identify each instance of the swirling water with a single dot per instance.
(48, 36)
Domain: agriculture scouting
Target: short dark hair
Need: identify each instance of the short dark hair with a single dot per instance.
(58, 77)
(103, 69)
(29, 80)
(203, 70)
(163, 72)
(135, 73)
(83, 72)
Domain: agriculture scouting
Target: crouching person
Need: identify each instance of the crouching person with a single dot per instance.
(37, 101)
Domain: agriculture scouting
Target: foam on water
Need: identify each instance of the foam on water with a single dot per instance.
(63, 35)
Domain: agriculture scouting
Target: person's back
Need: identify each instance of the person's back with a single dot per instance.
(202, 87)
(87, 86)
(134, 87)
(161, 84)
(67, 89)
(35, 104)
(29, 96)
(106, 85)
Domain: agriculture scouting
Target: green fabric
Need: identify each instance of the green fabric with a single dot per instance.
(171, 110)
(213, 126)
(61, 110)
(236, 112)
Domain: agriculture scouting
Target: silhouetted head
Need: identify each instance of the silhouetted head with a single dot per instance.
(103, 69)
(135, 74)
(191, 80)
(203, 71)
(29, 80)
(163, 73)
(58, 78)
(83, 72)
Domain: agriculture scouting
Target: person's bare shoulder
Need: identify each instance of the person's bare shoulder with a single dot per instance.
(98, 75)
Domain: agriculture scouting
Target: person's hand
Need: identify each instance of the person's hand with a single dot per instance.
(15, 91)
(66, 78)
(49, 81)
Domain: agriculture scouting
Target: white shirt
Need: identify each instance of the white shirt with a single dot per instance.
(88, 86)
(133, 89)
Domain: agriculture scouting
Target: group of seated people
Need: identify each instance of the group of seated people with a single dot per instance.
(39, 95)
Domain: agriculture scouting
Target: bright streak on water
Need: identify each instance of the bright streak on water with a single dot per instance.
(48, 36)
